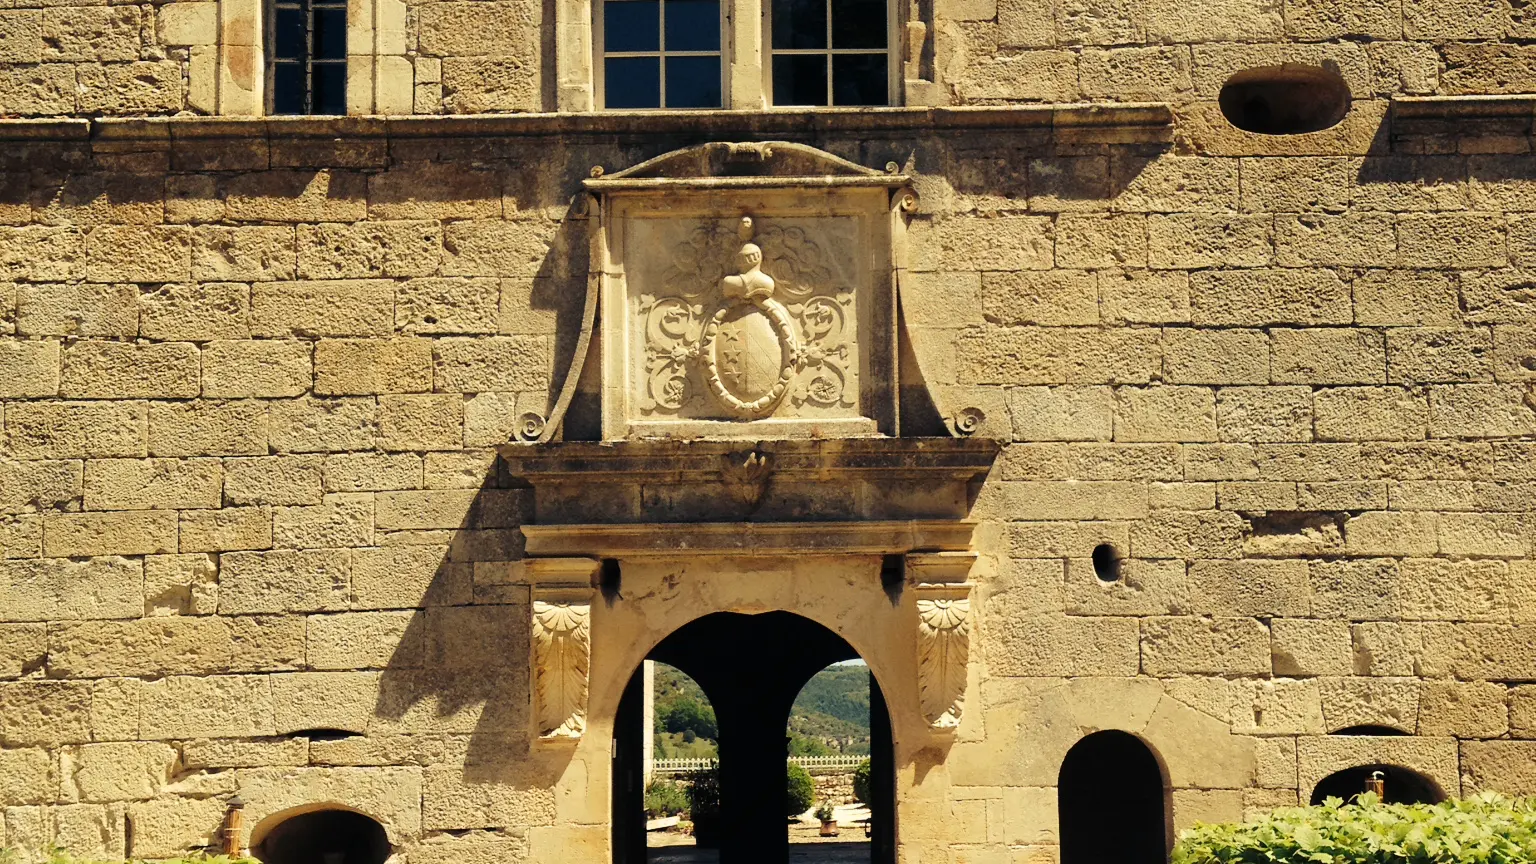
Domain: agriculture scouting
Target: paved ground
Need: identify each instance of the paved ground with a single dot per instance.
(799, 853)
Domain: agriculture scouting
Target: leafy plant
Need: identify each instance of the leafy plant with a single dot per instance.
(665, 798)
(861, 789)
(1486, 829)
(704, 792)
(801, 790)
(825, 812)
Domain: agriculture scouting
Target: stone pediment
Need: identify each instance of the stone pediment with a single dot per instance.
(718, 163)
(745, 291)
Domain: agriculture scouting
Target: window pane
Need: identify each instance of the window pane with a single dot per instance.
(632, 25)
(330, 33)
(632, 82)
(288, 34)
(692, 25)
(799, 79)
(799, 23)
(859, 79)
(287, 88)
(330, 89)
(858, 24)
(693, 82)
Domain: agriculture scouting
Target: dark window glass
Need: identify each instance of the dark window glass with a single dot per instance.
(858, 24)
(288, 88)
(800, 24)
(330, 81)
(800, 79)
(632, 25)
(633, 82)
(330, 32)
(288, 39)
(858, 79)
(693, 25)
(693, 82)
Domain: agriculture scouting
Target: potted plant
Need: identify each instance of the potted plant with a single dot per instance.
(828, 819)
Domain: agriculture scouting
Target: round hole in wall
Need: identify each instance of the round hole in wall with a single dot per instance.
(1288, 99)
(1106, 563)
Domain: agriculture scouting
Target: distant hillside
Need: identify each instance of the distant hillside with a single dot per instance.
(831, 715)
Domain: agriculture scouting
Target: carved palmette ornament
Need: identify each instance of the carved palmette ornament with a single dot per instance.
(944, 648)
(562, 653)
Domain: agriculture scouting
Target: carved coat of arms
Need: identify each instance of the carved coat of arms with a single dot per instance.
(726, 336)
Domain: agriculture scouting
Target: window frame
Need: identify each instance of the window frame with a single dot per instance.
(600, 57)
(271, 60)
(894, 57)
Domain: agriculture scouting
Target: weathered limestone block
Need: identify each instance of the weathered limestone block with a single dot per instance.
(1050, 355)
(255, 253)
(56, 589)
(85, 310)
(1319, 756)
(181, 584)
(1277, 707)
(1465, 710)
(1237, 21)
(1199, 750)
(1136, 74)
(345, 367)
(152, 484)
(1092, 461)
(421, 422)
(265, 368)
(1347, 240)
(1182, 645)
(76, 430)
(1371, 413)
(196, 312)
(1251, 497)
(450, 802)
(1480, 411)
(80, 535)
(359, 307)
(1165, 413)
(144, 647)
(1043, 646)
(1522, 711)
(1501, 766)
(1144, 297)
(1303, 647)
(1178, 240)
(45, 713)
(1331, 19)
(284, 581)
(324, 700)
(372, 472)
(204, 428)
(1200, 356)
(473, 847)
(28, 777)
(341, 519)
(91, 34)
(1062, 413)
(1478, 652)
(494, 363)
(297, 196)
(310, 425)
(138, 253)
(1144, 588)
(123, 771)
(369, 250)
(185, 707)
(1022, 76)
(1029, 500)
(1491, 535)
(1051, 297)
(39, 254)
(365, 640)
(119, 370)
(1258, 297)
(230, 753)
(1251, 588)
(1328, 356)
(273, 480)
(167, 827)
(407, 577)
(1182, 534)
(1264, 414)
(1445, 20)
(1392, 533)
(1434, 589)
(1351, 702)
(23, 648)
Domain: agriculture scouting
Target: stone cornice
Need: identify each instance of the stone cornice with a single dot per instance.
(1104, 122)
(767, 539)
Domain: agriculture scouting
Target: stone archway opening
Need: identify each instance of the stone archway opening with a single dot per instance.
(751, 668)
(1112, 778)
(321, 836)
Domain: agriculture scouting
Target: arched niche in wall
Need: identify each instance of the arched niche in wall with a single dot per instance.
(324, 834)
(1399, 785)
(1112, 778)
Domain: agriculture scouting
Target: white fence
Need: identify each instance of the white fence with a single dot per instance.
(813, 764)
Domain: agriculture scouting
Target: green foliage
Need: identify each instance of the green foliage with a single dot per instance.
(799, 745)
(825, 811)
(861, 782)
(665, 798)
(704, 792)
(1487, 829)
(834, 704)
(801, 791)
(683, 715)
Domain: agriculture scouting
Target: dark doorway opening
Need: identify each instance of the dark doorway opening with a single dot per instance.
(1112, 802)
(751, 668)
(324, 837)
(1399, 785)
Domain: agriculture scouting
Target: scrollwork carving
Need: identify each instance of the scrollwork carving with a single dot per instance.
(562, 653)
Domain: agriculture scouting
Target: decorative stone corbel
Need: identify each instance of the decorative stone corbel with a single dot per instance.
(943, 634)
(562, 644)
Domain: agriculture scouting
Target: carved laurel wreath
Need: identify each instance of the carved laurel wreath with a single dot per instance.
(789, 357)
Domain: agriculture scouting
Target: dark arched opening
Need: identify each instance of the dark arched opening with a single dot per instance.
(751, 668)
(829, 736)
(1399, 785)
(324, 837)
(1112, 802)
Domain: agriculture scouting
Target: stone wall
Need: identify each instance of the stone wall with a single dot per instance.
(255, 540)
(58, 59)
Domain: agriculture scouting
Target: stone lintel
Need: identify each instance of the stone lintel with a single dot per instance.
(1154, 118)
(675, 540)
